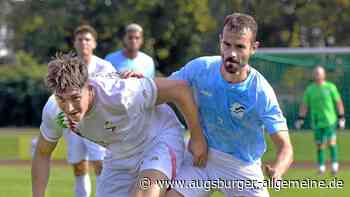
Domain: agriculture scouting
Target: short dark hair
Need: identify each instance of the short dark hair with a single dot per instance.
(66, 71)
(85, 29)
(237, 22)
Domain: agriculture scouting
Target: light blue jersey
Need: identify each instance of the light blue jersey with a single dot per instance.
(233, 115)
(141, 63)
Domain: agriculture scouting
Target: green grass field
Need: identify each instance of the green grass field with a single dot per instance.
(15, 144)
(15, 179)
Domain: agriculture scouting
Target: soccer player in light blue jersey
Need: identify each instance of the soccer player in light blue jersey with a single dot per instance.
(131, 58)
(236, 105)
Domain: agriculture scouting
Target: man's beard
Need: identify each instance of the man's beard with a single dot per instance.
(232, 66)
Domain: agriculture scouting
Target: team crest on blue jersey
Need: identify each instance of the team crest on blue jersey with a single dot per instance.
(237, 110)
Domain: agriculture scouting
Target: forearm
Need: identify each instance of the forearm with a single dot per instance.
(340, 108)
(188, 107)
(40, 175)
(284, 157)
(302, 110)
(41, 166)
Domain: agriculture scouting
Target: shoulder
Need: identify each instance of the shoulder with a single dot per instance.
(100, 61)
(101, 65)
(260, 81)
(310, 88)
(204, 63)
(51, 110)
(262, 87)
(113, 55)
(330, 84)
(144, 57)
(113, 92)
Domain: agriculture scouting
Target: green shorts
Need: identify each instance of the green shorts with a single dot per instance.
(323, 135)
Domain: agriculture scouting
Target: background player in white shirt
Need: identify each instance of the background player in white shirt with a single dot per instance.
(145, 140)
(80, 151)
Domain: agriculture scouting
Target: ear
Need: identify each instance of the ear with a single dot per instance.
(220, 37)
(255, 46)
(95, 44)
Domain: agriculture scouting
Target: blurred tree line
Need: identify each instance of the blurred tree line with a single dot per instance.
(175, 32)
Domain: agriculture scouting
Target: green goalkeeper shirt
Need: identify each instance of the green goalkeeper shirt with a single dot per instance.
(321, 102)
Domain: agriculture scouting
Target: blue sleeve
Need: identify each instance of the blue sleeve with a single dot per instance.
(113, 59)
(272, 116)
(188, 72)
(108, 58)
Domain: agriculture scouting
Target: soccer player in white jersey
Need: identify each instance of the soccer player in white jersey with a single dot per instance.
(130, 58)
(235, 102)
(145, 139)
(81, 151)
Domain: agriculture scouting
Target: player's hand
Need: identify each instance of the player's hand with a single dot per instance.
(128, 74)
(299, 123)
(341, 123)
(198, 147)
(72, 125)
(273, 173)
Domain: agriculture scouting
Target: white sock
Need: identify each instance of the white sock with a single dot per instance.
(82, 186)
(322, 168)
(335, 166)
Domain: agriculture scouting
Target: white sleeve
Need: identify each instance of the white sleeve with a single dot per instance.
(107, 67)
(139, 94)
(49, 128)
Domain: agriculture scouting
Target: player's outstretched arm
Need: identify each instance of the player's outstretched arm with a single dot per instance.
(41, 166)
(179, 93)
(301, 117)
(284, 155)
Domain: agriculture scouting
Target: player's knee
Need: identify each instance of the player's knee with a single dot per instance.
(321, 146)
(80, 168)
(148, 184)
(332, 142)
(97, 167)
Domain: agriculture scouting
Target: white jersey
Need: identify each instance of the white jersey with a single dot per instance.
(124, 117)
(98, 65)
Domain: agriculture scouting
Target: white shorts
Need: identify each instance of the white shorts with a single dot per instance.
(222, 173)
(164, 154)
(79, 149)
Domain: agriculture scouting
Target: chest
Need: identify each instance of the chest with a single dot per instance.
(320, 95)
(105, 127)
(226, 108)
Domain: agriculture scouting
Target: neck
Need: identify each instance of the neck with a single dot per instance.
(86, 58)
(236, 77)
(130, 54)
(320, 82)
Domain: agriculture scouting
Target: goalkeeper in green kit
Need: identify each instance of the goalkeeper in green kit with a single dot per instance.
(323, 101)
